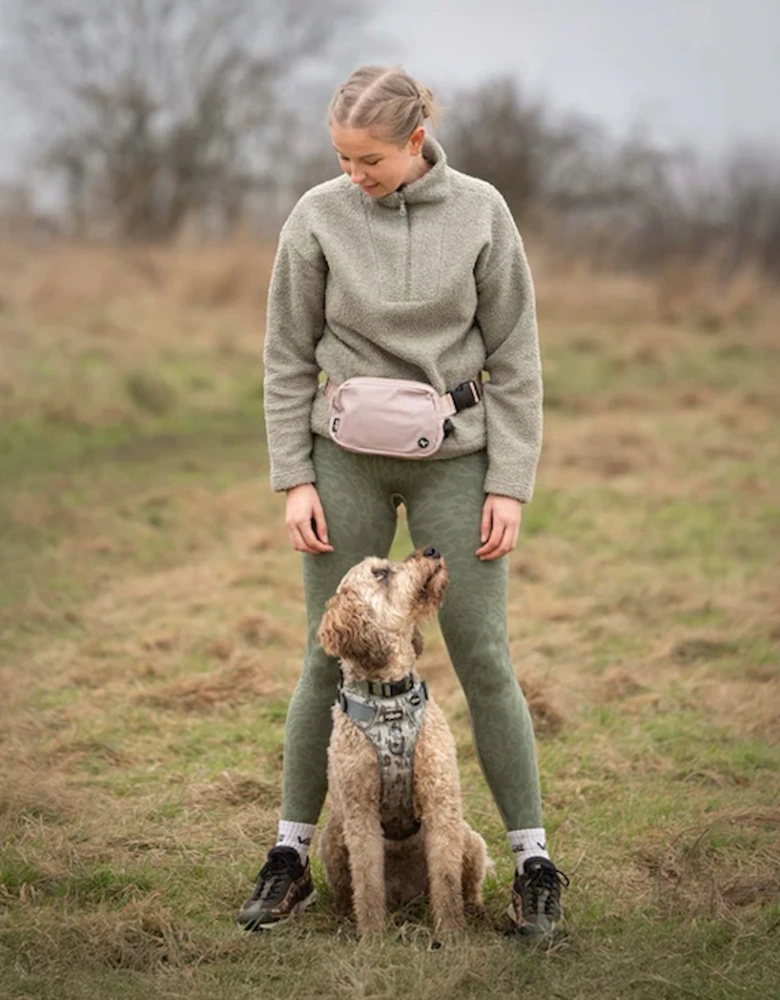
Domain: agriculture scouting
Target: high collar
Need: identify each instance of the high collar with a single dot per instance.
(432, 186)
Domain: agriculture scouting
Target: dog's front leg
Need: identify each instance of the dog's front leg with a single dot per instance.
(335, 859)
(354, 782)
(437, 794)
(444, 857)
(365, 843)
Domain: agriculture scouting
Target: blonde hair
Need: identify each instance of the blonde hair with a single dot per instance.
(388, 101)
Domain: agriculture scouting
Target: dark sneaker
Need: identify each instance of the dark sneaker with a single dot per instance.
(284, 887)
(536, 898)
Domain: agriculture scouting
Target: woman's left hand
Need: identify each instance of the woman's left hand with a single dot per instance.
(499, 526)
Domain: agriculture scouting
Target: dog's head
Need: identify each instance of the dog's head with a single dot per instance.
(373, 617)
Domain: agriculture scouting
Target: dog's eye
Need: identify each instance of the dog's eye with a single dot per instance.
(380, 574)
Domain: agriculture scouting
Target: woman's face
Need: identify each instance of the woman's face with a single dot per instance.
(378, 167)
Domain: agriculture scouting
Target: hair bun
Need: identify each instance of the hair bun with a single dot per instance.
(385, 99)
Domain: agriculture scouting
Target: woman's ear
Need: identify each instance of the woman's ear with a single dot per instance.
(347, 631)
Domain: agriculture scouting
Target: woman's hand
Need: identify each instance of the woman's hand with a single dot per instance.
(305, 520)
(499, 527)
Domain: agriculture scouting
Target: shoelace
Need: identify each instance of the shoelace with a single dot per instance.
(548, 880)
(271, 874)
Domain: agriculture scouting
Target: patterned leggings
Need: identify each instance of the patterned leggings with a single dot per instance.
(360, 495)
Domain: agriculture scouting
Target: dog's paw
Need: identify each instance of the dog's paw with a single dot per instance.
(480, 914)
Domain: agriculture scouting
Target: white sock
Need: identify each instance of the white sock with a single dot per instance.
(297, 835)
(528, 844)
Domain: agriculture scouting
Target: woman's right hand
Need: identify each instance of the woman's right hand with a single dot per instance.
(305, 520)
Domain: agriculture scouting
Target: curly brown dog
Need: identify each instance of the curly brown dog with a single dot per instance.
(384, 847)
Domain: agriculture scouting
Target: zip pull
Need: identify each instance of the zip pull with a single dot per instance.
(402, 207)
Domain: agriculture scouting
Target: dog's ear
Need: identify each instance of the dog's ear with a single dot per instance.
(348, 632)
(418, 642)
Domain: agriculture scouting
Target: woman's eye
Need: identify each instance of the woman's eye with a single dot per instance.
(380, 574)
(345, 159)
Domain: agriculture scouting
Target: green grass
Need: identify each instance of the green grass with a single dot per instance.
(152, 624)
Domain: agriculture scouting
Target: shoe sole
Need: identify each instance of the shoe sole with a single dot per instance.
(304, 904)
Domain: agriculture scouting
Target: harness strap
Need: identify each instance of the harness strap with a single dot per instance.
(392, 724)
(356, 709)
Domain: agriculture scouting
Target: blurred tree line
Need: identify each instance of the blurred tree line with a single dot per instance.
(156, 115)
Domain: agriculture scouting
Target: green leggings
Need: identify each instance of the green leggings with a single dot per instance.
(443, 498)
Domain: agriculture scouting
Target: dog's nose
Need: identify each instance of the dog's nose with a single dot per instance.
(432, 553)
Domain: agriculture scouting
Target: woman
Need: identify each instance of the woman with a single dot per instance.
(404, 268)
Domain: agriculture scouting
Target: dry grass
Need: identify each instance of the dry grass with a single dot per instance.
(152, 617)
(691, 874)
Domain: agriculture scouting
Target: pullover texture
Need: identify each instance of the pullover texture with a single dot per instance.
(431, 283)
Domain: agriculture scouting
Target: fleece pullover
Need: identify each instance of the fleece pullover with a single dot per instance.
(431, 283)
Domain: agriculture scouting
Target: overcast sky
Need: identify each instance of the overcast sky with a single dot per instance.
(704, 73)
(707, 72)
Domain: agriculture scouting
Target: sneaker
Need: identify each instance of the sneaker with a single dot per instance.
(536, 898)
(284, 887)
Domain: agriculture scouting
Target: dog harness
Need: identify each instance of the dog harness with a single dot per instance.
(390, 713)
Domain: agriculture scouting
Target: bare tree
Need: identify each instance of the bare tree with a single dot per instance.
(625, 203)
(750, 199)
(155, 110)
(495, 132)
(671, 204)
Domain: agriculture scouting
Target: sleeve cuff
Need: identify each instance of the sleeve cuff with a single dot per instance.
(518, 491)
(281, 481)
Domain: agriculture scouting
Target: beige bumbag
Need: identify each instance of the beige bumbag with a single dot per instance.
(399, 418)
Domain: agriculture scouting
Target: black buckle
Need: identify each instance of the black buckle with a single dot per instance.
(464, 395)
(389, 689)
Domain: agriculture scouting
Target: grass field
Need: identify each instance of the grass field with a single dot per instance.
(152, 630)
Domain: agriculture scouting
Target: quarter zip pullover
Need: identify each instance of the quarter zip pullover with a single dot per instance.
(430, 282)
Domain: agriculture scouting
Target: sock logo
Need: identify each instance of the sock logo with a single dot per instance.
(305, 840)
(522, 849)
